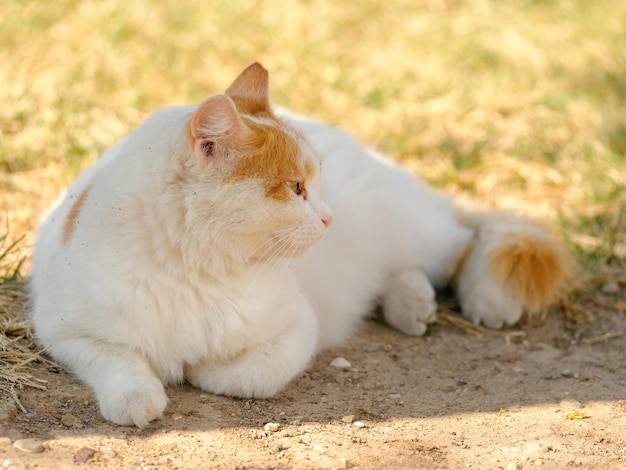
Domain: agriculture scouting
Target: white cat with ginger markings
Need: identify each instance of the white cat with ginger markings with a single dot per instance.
(203, 247)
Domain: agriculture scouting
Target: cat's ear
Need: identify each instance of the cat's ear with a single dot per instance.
(250, 90)
(214, 126)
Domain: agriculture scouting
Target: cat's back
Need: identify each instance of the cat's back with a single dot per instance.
(117, 171)
(370, 193)
(51, 223)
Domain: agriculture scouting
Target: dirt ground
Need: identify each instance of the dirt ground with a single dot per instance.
(550, 395)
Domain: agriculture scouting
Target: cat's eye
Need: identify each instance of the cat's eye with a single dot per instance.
(296, 186)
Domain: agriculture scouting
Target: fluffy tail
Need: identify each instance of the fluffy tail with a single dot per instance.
(513, 265)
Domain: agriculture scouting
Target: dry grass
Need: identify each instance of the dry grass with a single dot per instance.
(519, 103)
(18, 349)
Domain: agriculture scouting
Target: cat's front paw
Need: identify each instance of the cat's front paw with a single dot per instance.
(490, 307)
(136, 403)
(409, 302)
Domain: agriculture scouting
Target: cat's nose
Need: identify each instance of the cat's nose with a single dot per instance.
(327, 220)
(324, 212)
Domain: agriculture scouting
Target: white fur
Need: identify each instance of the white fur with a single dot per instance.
(386, 223)
(168, 269)
(171, 274)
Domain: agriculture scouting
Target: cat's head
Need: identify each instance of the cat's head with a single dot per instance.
(264, 176)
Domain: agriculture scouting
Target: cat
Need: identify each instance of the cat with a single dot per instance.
(203, 247)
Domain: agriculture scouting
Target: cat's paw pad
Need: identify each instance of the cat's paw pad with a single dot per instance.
(137, 403)
(409, 303)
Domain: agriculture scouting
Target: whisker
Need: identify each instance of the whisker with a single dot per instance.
(277, 247)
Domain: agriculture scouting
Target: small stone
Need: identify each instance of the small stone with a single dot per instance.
(538, 462)
(341, 363)
(83, 455)
(610, 287)
(359, 424)
(271, 427)
(71, 421)
(348, 419)
(6, 463)
(31, 446)
(512, 466)
(395, 395)
(176, 416)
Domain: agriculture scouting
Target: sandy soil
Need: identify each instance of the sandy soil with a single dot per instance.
(552, 396)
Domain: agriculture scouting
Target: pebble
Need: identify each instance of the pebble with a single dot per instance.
(83, 455)
(340, 362)
(71, 421)
(348, 419)
(359, 424)
(271, 427)
(513, 466)
(610, 287)
(31, 446)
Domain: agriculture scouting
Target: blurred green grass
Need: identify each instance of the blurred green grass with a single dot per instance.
(520, 103)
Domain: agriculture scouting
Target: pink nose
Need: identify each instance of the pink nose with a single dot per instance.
(327, 220)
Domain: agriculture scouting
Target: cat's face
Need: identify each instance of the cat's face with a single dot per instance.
(259, 173)
(281, 174)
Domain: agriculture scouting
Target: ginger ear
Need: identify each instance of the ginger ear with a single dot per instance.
(250, 90)
(214, 126)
